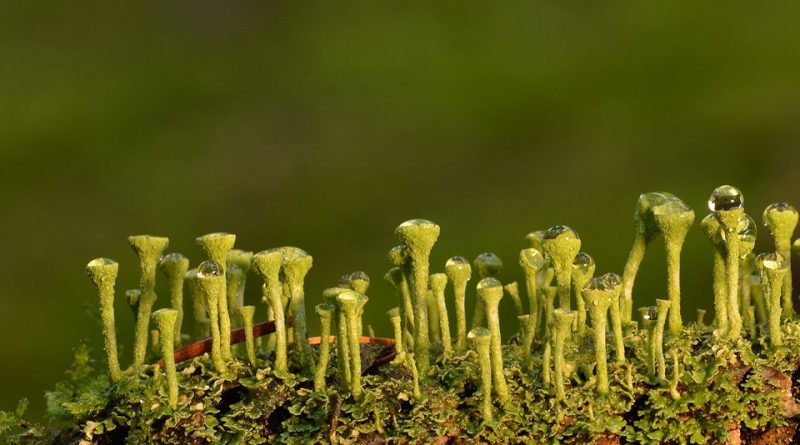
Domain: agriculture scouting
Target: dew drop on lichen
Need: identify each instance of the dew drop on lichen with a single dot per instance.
(559, 231)
(209, 268)
(725, 197)
(583, 261)
(770, 261)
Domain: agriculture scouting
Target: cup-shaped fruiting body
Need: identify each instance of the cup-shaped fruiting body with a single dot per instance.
(397, 329)
(419, 236)
(267, 264)
(561, 244)
(663, 308)
(296, 265)
(246, 313)
(564, 319)
(211, 282)
(438, 282)
(103, 273)
(242, 259)
(532, 261)
(347, 304)
(646, 231)
(490, 291)
(166, 319)
(481, 339)
(649, 315)
(148, 249)
(712, 230)
(174, 266)
(486, 264)
(726, 203)
(598, 295)
(459, 272)
(773, 268)
(614, 281)
(674, 219)
(781, 219)
(325, 312)
(582, 270)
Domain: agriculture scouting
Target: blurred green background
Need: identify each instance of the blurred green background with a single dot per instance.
(326, 125)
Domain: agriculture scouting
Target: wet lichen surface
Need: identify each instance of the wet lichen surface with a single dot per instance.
(579, 369)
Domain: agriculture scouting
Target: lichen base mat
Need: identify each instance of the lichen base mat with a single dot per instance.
(577, 369)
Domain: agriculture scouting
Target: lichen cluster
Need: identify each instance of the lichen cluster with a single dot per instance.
(579, 368)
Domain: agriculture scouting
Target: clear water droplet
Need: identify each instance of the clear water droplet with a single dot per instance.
(770, 261)
(100, 262)
(597, 283)
(456, 261)
(559, 231)
(172, 258)
(725, 197)
(583, 261)
(209, 268)
(779, 207)
(488, 264)
(746, 228)
(532, 257)
(489, 283)
(612, 280)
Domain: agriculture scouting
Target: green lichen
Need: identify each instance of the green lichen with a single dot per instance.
(549, 383)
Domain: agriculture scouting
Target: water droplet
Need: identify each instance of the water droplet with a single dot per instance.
(613, 280)
(770, 261)
(172, 258)
(397, 255)
(479, 332)
(673, 207)
(209, 268)
(559, 231)
(489, 283)
(779, 207)
(746, 228)
(535, 238)
(597, 283)
(488, 264)
(583, 261)
(532, 257)
(651, 314)
(359, 275)
(100, 262)
(725, 197)
(456, 261)
(291, 253)
(418, 222)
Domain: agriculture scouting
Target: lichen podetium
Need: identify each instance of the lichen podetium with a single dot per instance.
(574, 368)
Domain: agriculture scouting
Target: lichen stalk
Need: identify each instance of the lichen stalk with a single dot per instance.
(561, 244)
(781, 219)
(531, 261)
(674, 220)
(246, 314)
(296, 265)
(564, 319)
(174, 266)
(629, 272)
(103, 273)
(650, 327)
(663, 307)
(233, 280)
(166, 320)
(773, 269)
(397, 329)
(480, 338)
(325, 312)
(217, 246)
(438, 283)
(615, 282)
(199, 312)
(598, 296)
(711, 228)
(490, 291)
(267, 264)
(459, 272)
(583, 268)
(729, 220)
(347, 303)
(419, 236)
(242, 259)
(148, 249)
(487, 265)
(433, 317)
(211, 282)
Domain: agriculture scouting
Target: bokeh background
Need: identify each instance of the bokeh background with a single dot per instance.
(326, 125)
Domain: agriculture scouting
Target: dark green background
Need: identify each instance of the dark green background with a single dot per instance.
(326, 125)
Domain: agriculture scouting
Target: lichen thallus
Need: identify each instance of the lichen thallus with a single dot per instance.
(580, 309)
